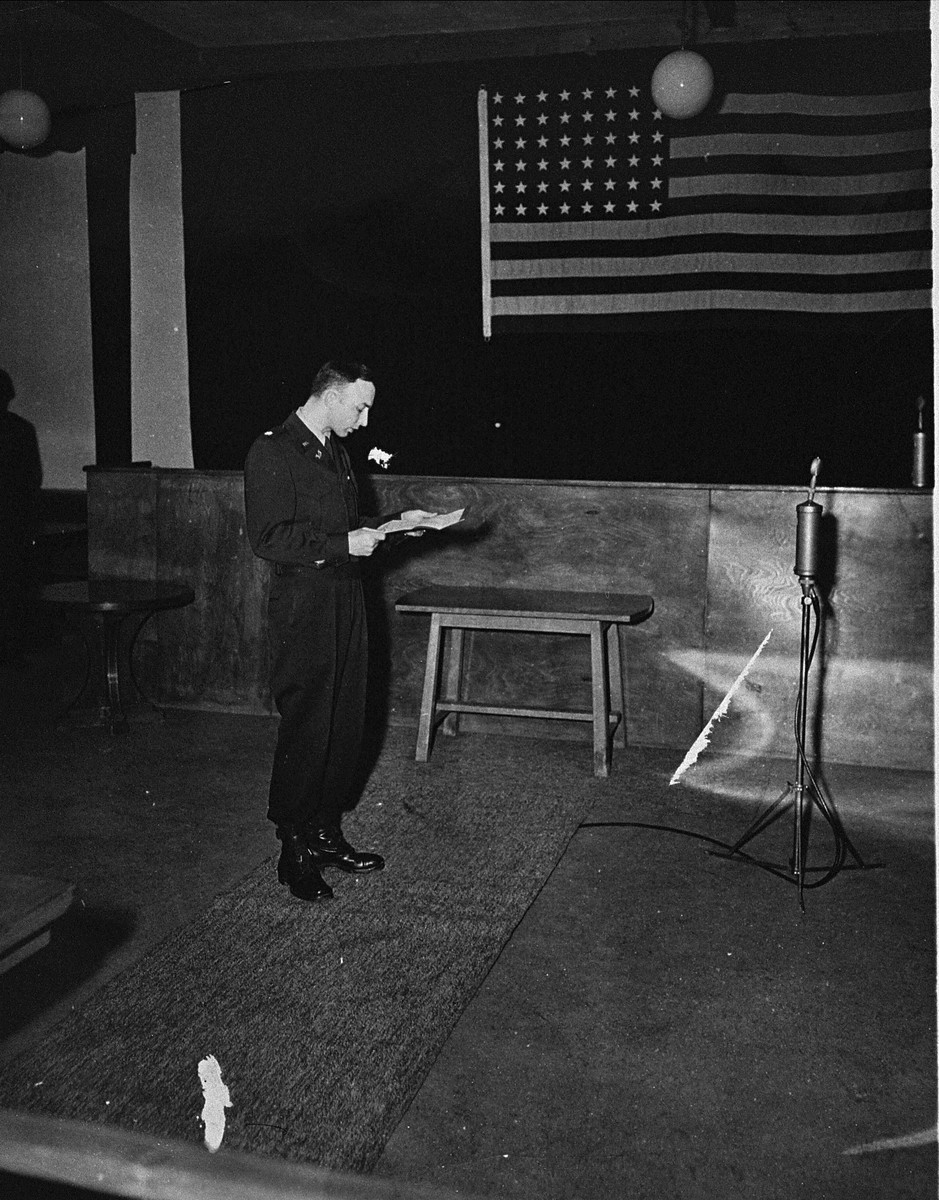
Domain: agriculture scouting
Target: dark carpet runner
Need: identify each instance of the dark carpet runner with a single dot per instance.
(325, 1018)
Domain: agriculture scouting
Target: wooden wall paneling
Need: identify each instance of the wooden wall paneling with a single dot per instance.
(751, 590)
(214, 652)
(878, 668)
(122, 533)
(718, 562)
(870, 688)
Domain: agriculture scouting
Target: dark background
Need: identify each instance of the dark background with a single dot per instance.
(336, 214)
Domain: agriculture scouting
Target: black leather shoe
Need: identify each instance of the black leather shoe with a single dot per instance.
(328, 848)
(297, 869)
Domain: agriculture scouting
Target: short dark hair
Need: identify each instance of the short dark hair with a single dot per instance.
(331, 374)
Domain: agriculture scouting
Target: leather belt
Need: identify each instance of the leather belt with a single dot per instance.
(296, 568)
(339, 570)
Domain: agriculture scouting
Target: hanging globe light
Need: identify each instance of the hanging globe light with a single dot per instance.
(682, 84)
(24, 119)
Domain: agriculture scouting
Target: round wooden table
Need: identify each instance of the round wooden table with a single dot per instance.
(109, 603)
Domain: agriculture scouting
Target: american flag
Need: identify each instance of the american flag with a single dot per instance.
(595, 204)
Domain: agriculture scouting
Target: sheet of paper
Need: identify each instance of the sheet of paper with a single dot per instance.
(436, 521)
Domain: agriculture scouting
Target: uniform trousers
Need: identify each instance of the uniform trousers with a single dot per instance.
(319, 666)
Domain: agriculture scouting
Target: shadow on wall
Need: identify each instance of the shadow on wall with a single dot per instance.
(20, 485)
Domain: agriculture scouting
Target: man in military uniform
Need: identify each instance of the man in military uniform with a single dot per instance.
(301, 504)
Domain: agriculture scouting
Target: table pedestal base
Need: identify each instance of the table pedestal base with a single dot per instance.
(110, 604)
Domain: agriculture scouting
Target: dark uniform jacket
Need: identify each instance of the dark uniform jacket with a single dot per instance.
(299, 506)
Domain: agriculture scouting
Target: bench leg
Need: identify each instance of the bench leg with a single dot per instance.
(425, 726)
(24, 950)
(451, 723)
(617, 684)
(601, 702)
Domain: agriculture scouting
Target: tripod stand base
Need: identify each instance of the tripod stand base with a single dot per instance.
(800, 799)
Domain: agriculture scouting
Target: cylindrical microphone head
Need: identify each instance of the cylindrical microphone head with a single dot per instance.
(919, 460)
(808, 536)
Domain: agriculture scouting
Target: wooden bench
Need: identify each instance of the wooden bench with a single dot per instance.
(28, 906)
(596, 614)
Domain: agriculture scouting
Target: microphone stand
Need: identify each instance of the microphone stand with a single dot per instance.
(807, 791)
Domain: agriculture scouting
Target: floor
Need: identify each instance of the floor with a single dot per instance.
(662, 1022)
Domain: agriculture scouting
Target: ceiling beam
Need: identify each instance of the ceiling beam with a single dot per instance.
(115, 52)
(646, 25)
(116, 23)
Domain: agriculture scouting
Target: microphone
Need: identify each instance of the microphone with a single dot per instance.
(808, 529)
(919, 446)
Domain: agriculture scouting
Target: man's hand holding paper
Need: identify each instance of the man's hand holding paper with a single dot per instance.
(415, 520)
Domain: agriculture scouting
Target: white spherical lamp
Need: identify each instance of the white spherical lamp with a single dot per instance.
(682, 84)
(24, 119)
